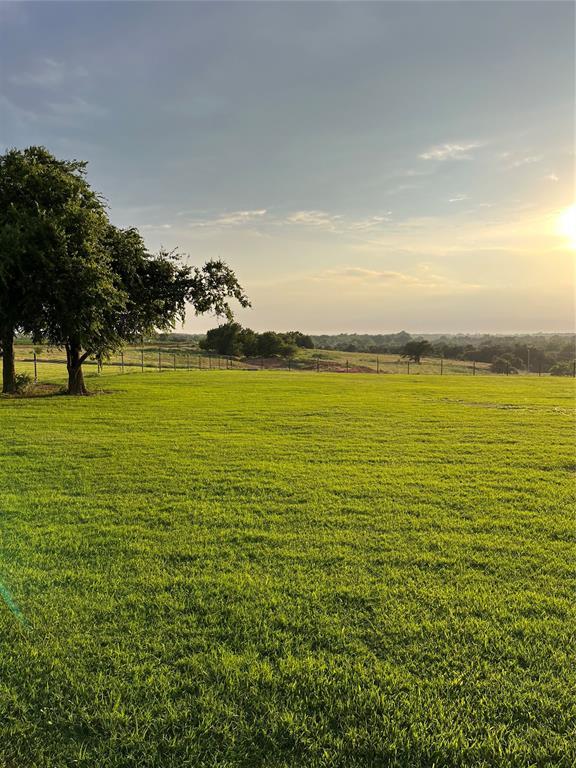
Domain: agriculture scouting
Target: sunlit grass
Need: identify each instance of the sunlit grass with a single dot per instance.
(268, 569)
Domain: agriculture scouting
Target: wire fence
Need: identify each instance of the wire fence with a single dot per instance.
(45, 364)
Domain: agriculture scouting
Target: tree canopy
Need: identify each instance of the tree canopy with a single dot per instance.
(415, 350)
(231, 339)
(72, 279)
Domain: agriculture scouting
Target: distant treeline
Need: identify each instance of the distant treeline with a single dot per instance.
(538, 351)
(546, 352)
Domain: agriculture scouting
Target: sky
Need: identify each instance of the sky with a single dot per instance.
(363, 167)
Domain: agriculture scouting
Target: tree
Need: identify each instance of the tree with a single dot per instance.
(502, 365)
(272, 344)
(225, 340)
(69, 277)
(249, 342)
(300, 339)
(415, 350)
(46, 208)
(562, 369)
(128, 293)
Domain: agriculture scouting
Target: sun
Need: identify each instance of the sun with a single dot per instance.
(566, 225)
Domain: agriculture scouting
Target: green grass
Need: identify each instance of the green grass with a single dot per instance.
(234, 569)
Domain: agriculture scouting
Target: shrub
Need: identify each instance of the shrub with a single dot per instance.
(502, 365)
(562, 369)
(23, 382)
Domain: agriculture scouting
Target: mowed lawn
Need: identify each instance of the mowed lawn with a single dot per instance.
(228, 568)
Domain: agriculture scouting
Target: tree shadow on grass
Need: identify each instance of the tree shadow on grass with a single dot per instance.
(43, 391)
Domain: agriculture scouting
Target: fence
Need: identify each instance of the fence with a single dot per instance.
(45, 364)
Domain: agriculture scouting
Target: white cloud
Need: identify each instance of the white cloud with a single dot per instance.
(234, 218)
(551, 177)
(315, 219)
(458, 198)
(372, 222)
(450, 151)
(338, 223)
(526, 161)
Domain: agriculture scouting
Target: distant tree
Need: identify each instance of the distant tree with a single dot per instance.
(225, 340)
(415, 350)
(249, 341)
(562, 369)
(299, 339)
(502, 365)
(272, 344)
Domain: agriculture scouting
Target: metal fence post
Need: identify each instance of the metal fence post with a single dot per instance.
(347, 367)
(377, 365)
(122, 361)
(174, 360)
(408, 364)
(159, 359)
(35, 369)
(442, 365)
(199, 362)
(142, 360)
(474, 368)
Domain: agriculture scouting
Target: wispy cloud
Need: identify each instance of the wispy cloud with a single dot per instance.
(333, 222)
(424, 279)
(76, 108)
(17, 113)
(528, 160)
(458, 198)
(319, 219)
(55, 112)
(450, 151)
(47, 73)
(552, 177)
(234, 218)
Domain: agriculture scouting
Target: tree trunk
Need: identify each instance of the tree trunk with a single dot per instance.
(74, 362)
(8, 370)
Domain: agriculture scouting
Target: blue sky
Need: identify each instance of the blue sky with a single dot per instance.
(362, 166)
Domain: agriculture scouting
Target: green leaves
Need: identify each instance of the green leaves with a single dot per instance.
(67, 276)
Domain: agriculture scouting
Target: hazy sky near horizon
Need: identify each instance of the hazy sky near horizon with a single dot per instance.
(362, 166)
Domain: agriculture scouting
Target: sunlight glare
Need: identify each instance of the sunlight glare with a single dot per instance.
(566, 225)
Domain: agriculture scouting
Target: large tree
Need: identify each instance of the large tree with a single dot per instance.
(68, 277)
(129, 293)
(46, 208)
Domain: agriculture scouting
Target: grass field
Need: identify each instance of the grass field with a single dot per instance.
(238, 569)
